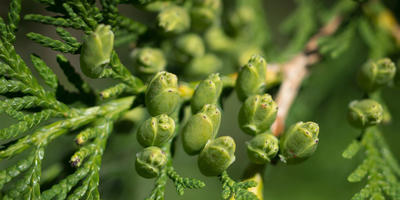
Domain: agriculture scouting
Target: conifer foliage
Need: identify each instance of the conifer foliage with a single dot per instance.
(187, 58)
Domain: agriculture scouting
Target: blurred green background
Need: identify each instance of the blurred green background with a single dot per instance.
(323, 99)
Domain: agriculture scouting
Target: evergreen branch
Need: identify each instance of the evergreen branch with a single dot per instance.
(245, 33)
(7, 86)
(158, 191)
(120, 72)
(65, 185)
(72, 76)
(18, 115)
(387, 155)
(96, 131)
(114, 91)
(6, 175)
(382, 179)
(53, 44)
(183, 183)
(128, 24)
(68, 38)
(28, 121)
(237, 190)
(89, 185)
(82, 117)
(351, 150)
(17, 69)
(55, 21)
(20, 103)
(4, 32)
(85, 135)
(87, 13)
(83, 152)
(13, 17)
(303, 23)
(117, 21)
(75, 18)
(29, 186)
(337, 44)
(124, 37)
(45, 72)
(3, 69)
(360, 172)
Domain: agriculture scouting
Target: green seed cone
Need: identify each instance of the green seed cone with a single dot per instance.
(242, 17)
(202, 18)
(200, 128)
(262, 148)
(96, 51)
(162, 96)
(257, 114)
(204, 13)
(156, 131)
(201, 67)
(190, 45)
(365, 113)
(217, 156)
(174, 19)
(251, 78)
(299, 142)
(148, 60)
(374, 75)
(207, 92)
(150, 161)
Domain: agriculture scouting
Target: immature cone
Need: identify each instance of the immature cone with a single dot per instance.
(207, 92)
(204, 13)
(96, 51)
(149, 60)
(156, 131)
(217, 156)
(242, 17)
(374, 75)
(251, 79)
(191, 45)
(201, 67)
(200, 128)
(174, 19)
(162, 96)
(150, 161)
(299, 142)
(365, 113)
(262, 148)
(257, 114)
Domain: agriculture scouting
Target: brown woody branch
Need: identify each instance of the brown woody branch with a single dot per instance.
(296, 70)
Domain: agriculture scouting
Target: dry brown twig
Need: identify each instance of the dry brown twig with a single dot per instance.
(295, 71)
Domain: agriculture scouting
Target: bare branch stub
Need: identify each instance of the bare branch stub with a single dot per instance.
(295, 71)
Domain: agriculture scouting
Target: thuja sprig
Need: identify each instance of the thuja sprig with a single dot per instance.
(305, 17)
(89, 17)
(40, 138)
(379, 164)
(369, 20)
(189, 39)
(182, 183)
(237, 190)
(18, 82)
